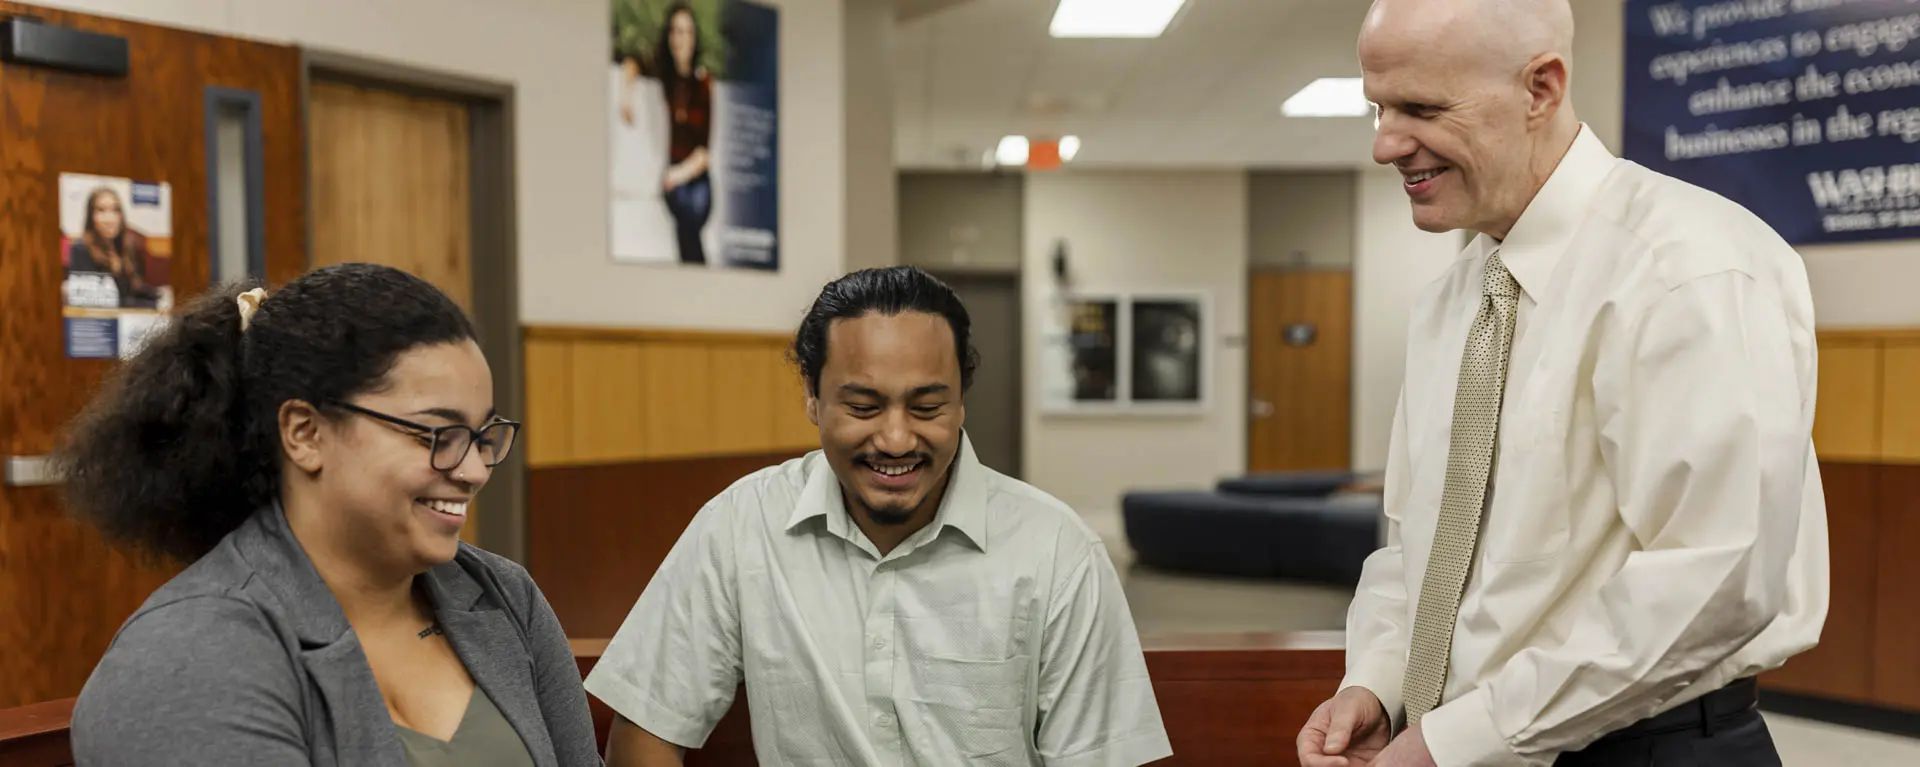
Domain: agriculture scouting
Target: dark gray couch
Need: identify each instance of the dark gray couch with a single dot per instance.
(1316, 537)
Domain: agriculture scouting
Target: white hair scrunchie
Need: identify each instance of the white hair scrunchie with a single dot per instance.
(249, 303)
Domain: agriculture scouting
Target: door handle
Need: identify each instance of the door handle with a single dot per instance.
(31, 471)
(1261, 408)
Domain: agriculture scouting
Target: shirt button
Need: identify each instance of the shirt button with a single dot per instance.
(879, 643)
(882, 720)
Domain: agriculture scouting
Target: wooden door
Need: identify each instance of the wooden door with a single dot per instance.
(1301, 368)
(391, 185)
(63, 593)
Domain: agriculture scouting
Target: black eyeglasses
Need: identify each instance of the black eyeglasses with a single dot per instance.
(449, 444)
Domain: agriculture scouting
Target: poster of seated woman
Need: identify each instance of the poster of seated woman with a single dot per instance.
(693, 133)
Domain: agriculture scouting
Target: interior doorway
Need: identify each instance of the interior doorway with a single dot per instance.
(391, 182)
(994, 414)
(414, 169)
(1300, 412)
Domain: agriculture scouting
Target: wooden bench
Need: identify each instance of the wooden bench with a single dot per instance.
(1227, 699)
(36, 735)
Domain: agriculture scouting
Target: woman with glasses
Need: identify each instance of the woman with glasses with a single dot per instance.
(313, 454)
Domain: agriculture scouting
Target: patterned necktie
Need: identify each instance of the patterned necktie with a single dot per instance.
(1476, 424)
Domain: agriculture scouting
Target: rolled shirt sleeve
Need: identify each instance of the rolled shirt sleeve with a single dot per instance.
(1097, 707)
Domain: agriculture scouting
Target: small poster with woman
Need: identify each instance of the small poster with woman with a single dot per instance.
(116, 251)
(694, 129)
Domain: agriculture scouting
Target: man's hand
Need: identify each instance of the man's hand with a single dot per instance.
(1349, 730)
(1408, 750)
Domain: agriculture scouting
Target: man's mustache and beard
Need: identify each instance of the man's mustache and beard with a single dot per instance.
(894, 510)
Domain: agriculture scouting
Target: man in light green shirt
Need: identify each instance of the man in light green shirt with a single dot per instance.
(887, 599)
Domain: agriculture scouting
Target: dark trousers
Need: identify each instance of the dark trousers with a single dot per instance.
(1721, 728)
(690, 204)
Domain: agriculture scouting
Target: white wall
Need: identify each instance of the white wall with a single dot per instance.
(1854, 285)
(963, 220)
(1393, 261)
(1301, 219)
(556, 54)
(872, 198)
(1130, 231)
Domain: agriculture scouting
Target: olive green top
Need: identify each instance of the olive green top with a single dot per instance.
(483, 739)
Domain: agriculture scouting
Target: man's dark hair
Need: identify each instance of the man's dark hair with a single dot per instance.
(888, 292)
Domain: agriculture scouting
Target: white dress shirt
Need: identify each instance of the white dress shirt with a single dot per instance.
(1655, 527)
(996, 635)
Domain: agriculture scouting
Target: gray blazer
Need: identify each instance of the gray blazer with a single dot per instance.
(246, 658)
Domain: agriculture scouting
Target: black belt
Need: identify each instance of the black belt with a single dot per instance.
(1710, 712)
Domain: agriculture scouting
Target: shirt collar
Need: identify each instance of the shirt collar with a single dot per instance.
(963, 508)
(1533, 248)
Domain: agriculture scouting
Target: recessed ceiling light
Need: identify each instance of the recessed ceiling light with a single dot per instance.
(1012, 151)
(1113, 18)
(1329, 97)
(1069, 146)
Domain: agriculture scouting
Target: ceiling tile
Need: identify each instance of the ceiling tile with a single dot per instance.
(1206, 93)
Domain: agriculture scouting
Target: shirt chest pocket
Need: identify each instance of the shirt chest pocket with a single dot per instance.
(969, 672)
(971, 708)
(1528, 519)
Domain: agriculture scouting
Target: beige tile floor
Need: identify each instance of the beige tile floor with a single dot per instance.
(1175, 603)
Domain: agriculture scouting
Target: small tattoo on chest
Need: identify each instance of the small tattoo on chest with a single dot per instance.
(431, 630)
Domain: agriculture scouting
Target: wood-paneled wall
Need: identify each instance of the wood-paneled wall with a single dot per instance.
(1896, 598)
(603, 396)
(596, 534)
(629, 433)
(1867, 433)
(1868, 412)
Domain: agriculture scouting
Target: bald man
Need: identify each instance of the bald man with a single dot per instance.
(1605, 514)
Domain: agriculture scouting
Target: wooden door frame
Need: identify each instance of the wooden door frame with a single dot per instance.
(495, 243)
(1018, 277)
(1353, 380)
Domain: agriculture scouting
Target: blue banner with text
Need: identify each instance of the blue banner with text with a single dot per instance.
(1806, 112)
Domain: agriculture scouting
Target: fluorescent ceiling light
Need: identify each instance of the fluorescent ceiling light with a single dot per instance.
(1113, 18)
(1329, 97)
(1069, 146)
(1012, 150)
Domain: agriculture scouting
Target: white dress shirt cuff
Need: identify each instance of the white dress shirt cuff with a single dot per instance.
(1383, 680)
(1461, 733)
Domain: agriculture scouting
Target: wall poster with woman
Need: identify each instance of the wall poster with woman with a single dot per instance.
(694, 125)
(116, 248)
